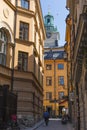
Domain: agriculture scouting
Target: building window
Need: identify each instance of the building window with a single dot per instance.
(56, 42)
(60, 66)
(48, 81)
(25, 4)
(22, 61)
(24, 31)
(48, 95)
(61, 80)
(48, 67)
(60, 95)
(3, 46)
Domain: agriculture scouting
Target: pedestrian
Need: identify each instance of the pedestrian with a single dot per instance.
(46, 117)
(14, 119)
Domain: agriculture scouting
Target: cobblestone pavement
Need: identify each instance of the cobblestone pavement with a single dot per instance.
(54, 124)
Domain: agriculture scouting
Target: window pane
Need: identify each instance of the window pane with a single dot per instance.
(61, 80)
(25, 4)
(25, 64)
(48, 81)
(49, 95)
(22, 61)
(60, 66)
(61, 94)
(2, 59)
(24, 31)
(3, 46)
(48, 67)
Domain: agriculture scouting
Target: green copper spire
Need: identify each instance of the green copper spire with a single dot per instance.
(49, 23)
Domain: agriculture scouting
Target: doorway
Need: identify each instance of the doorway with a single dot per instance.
(49, 109)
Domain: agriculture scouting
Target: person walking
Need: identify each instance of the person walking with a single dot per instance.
(46, 117)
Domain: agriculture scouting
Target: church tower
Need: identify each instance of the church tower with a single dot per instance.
(52, 35)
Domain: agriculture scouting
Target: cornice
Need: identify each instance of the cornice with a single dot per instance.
(10, 5)
(26, 12)
(28, 43)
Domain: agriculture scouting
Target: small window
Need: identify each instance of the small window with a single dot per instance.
(48, 67)
(24, 31)
(61, 80)
(22, 61)
(48, 81)
(48, 95)
(60, 95)
(25, 4)
(60, 66)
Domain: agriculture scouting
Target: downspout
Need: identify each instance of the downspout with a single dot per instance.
(54, 87)
(68, 90)
(13, 49)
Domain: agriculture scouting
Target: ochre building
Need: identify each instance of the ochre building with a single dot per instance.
(22, 37)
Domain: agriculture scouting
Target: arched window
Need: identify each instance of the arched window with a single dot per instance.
(3, 46)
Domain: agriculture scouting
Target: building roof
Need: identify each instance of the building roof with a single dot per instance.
(52, 55)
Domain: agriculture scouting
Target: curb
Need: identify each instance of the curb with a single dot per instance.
(37, 126)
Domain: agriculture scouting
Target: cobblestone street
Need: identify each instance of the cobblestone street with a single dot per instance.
(54, 124)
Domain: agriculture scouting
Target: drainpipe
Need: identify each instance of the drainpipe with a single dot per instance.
(13, 49)
(55, 87)
(68, 90)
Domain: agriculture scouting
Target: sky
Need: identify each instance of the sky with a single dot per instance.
(57, 8)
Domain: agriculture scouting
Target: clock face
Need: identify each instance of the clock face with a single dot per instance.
(48, 34)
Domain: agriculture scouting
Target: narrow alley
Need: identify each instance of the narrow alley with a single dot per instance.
(43, 64)
(55, 124)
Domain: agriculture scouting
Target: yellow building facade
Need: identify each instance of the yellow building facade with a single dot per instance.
(55, 71)
(22, 37)
(55, 84)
